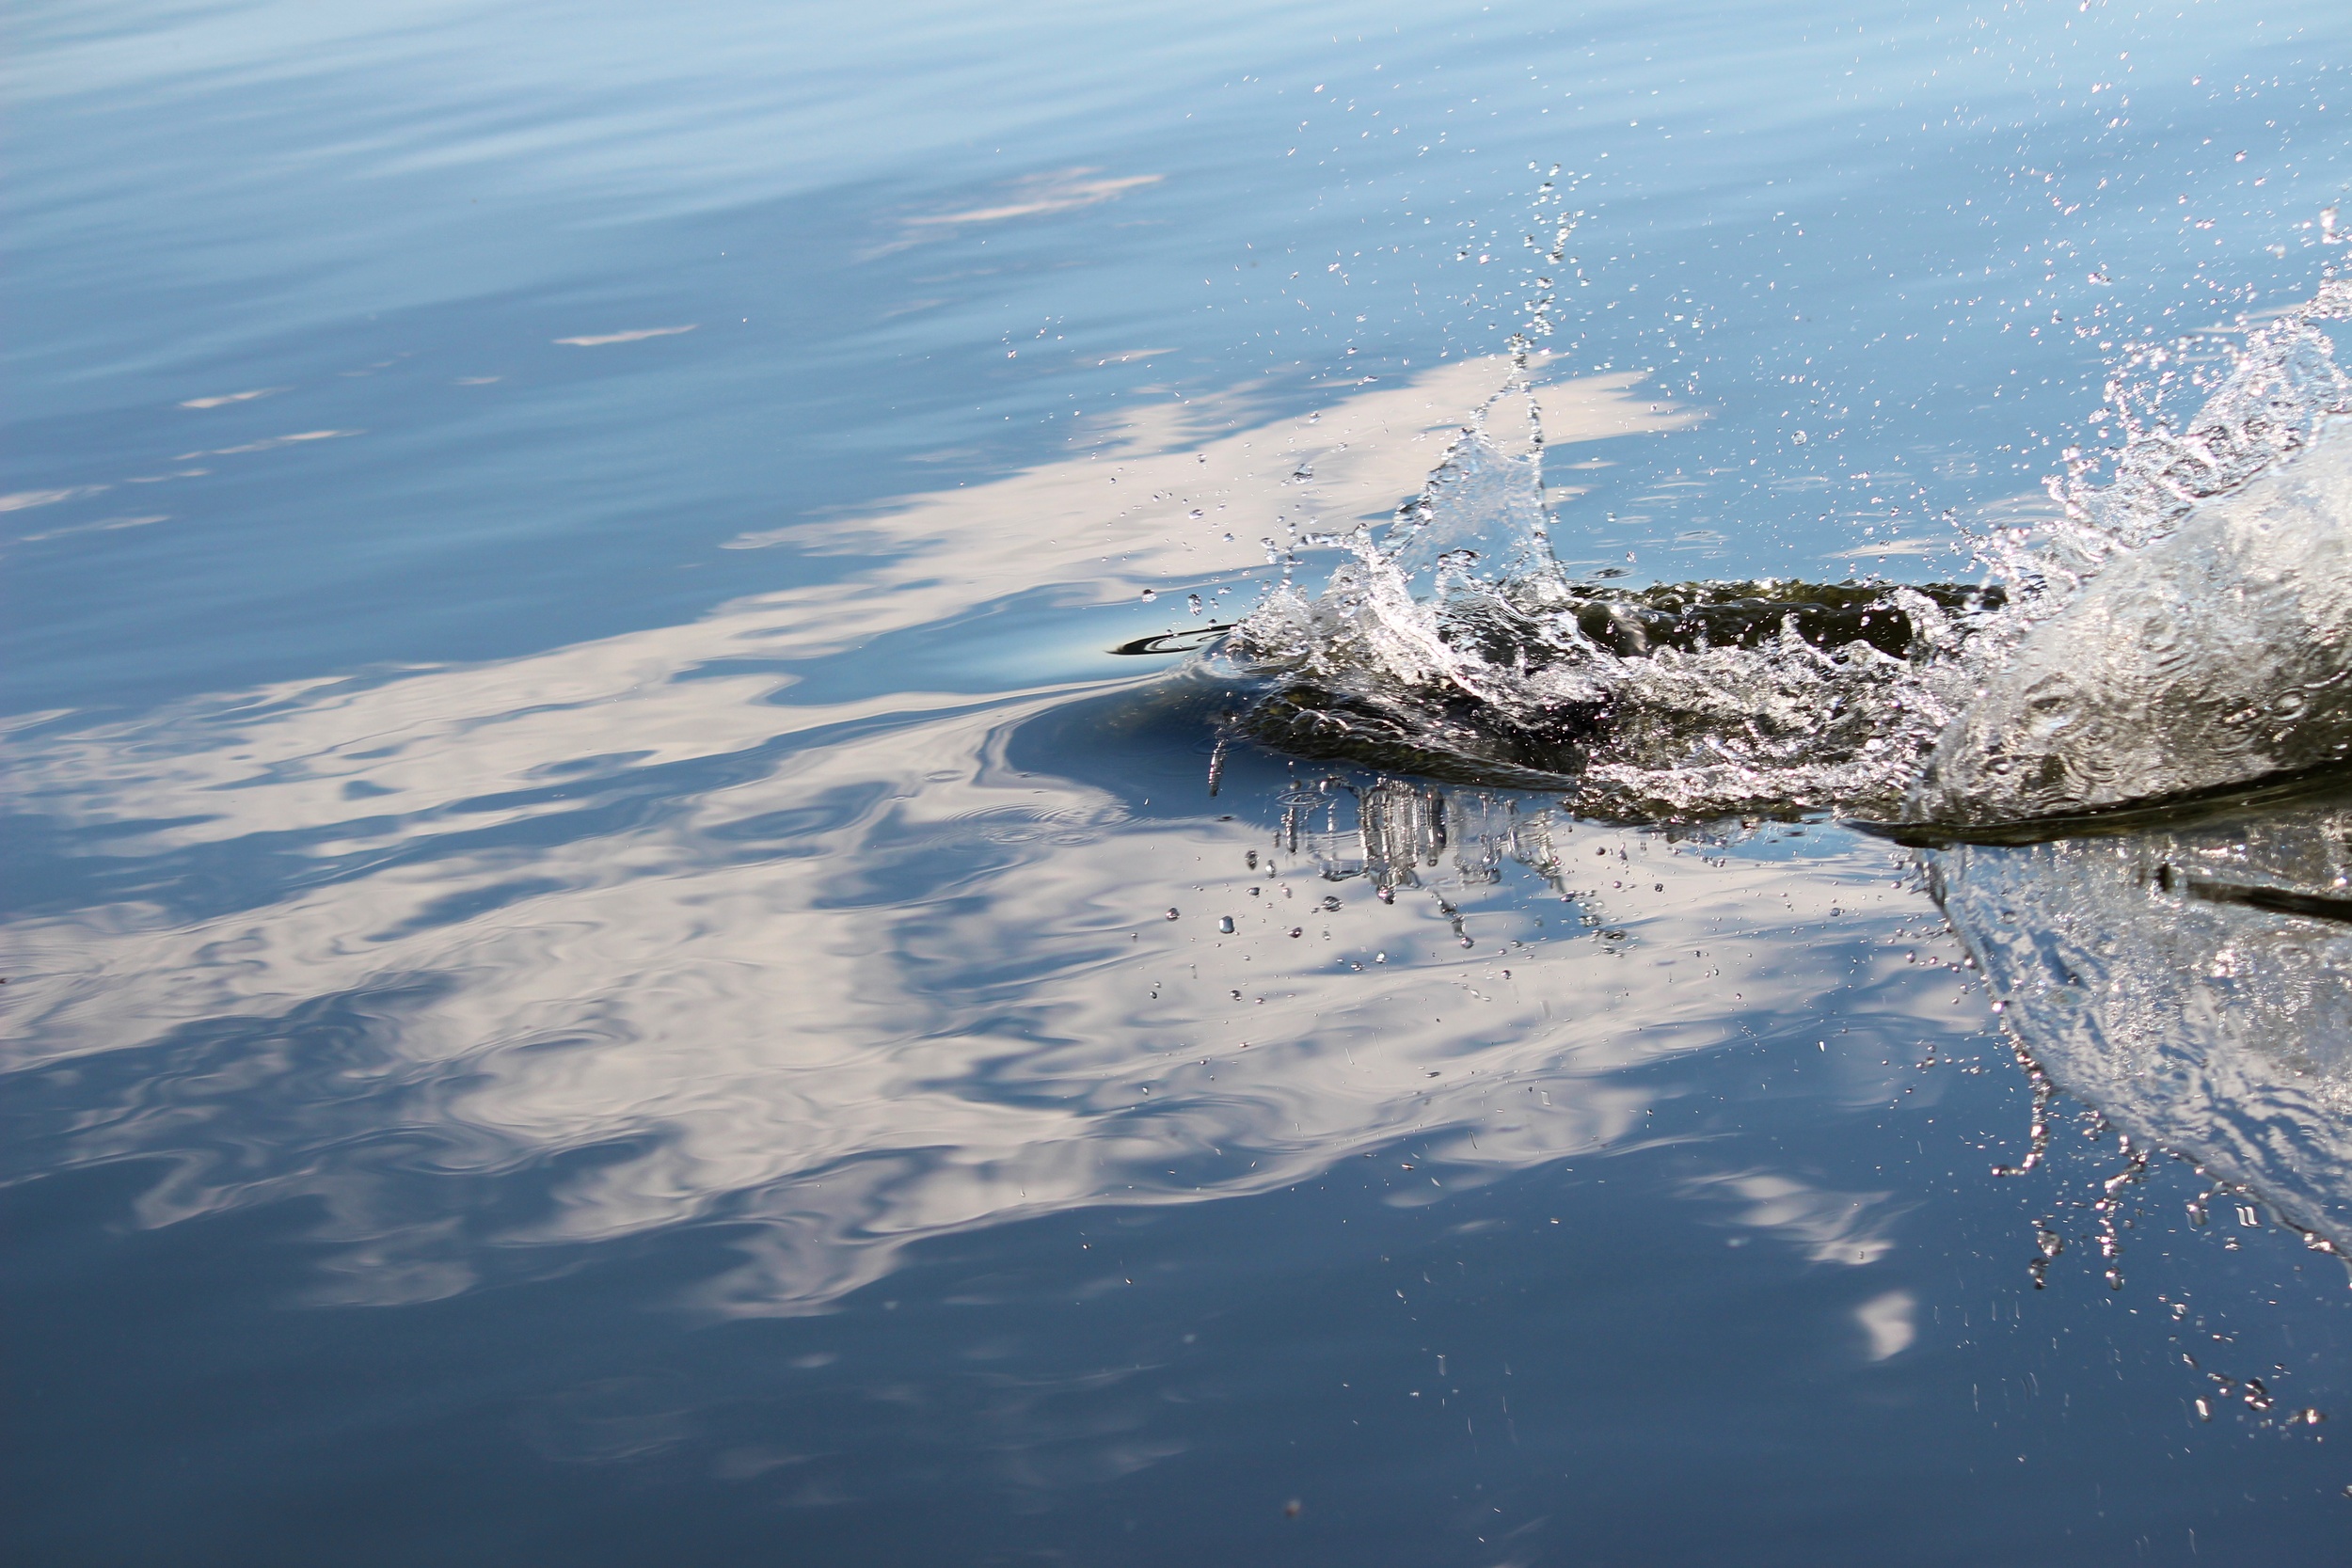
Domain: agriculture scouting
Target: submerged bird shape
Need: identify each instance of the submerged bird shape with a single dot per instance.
(2183, 629)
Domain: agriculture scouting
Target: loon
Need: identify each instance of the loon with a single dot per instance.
(2217, 656)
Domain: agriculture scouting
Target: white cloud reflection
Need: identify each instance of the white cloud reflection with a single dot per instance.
(630, 928)
(1056, 191)
(1039, 194)
(1827, 1226)
(635, 335)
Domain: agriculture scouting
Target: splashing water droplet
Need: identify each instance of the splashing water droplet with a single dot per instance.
(1452, 643)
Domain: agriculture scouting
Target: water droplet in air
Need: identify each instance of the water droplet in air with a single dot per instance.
(1224, 924)
(1194, 602)
(1171, 915)
(1151, 594)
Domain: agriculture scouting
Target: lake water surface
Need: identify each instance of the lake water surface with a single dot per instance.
(604, 968)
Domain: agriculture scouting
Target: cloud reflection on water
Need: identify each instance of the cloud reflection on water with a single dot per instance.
(617, 936)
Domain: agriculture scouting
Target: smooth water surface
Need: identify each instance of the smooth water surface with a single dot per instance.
(602, 968)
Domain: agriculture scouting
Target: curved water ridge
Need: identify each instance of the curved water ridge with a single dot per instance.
(2186, 626)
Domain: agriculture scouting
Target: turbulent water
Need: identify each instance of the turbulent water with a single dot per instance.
(2123, 752)
(2192, 979)
(2187, 971)
(2186, 626)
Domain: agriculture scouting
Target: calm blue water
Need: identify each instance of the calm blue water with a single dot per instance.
(602, 969)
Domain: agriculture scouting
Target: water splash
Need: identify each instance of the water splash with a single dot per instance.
(2192, 979)
(1452, 643)
(2185, 626)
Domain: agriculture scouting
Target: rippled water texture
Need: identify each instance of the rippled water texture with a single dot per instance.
(604, 965)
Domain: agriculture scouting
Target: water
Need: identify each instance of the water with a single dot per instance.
(2188, 977)
(2178, 629)
(604, 966)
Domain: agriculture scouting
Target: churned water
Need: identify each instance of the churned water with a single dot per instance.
(1464, 784)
